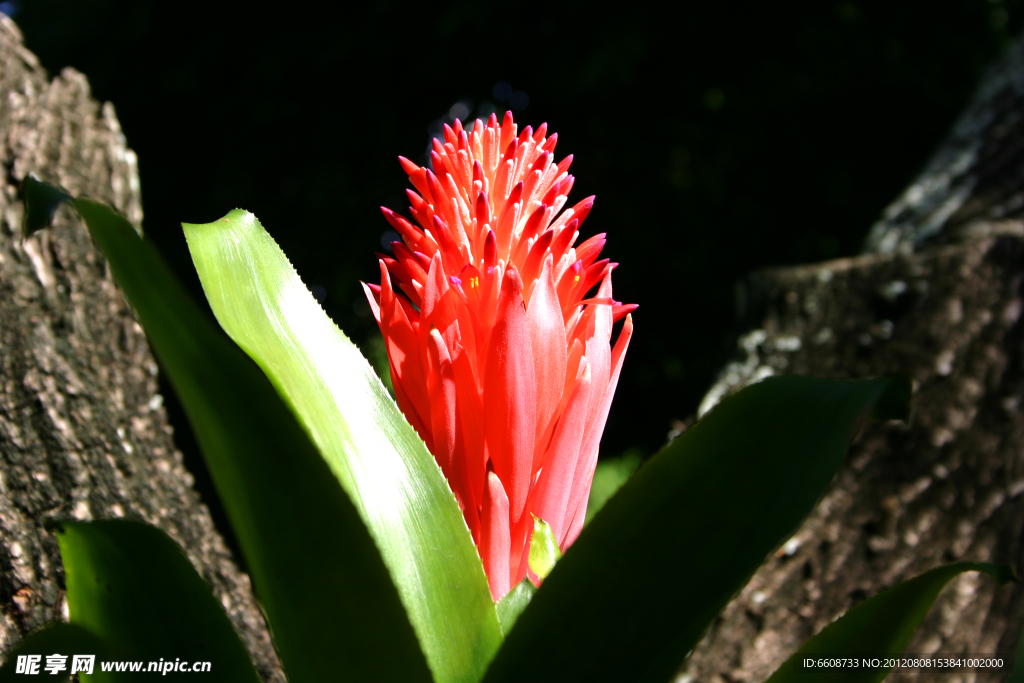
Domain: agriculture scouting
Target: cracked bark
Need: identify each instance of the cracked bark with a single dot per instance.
(938, 294)
(82, 430)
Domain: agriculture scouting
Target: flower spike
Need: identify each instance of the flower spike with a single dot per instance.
(499, 359)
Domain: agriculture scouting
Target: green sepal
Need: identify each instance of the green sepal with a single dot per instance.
(544, 550)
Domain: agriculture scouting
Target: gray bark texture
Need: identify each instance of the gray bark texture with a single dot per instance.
(937, 294)
(82, 431)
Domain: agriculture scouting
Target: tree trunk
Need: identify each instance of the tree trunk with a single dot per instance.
(82, 430)
(937, 294)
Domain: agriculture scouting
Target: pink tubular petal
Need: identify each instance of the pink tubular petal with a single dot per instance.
(579, 516)
(570, 289)
(552, 192)
(407, 408)
(438, 309)
(598, 346)
(490, 250)
(443, 406)
(483, 209)
(596, 272)
(508, 130)
(403, 351)
(436, 193)
(510, 395)
(537, 220)
(582, 209)
(373, 298)
(547, 337)
(564, 164)
(495, 540)
(472, 433)
(620, 311)
(588, 251)
(535, 260)
(553, 489)
(565, 239)
(588, 452)
(522, 533)
(416, 174)
(449, 250)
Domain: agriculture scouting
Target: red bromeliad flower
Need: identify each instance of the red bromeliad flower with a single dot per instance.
(498, 360)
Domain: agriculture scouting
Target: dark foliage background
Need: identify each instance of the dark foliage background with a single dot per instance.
(718, 137)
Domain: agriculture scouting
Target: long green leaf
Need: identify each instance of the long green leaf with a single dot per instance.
(328, 597)
(63, 639)
(1017, 676)
(395, 483)
(130, 585)
(877, 627)
(644, 580)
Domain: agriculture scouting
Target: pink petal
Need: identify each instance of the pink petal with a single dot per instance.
(599, 347)
(472, 431)
(407, 408)
(373, 298)
(494, 536)
(443, 406)
(572, 365)
(580, 515)
(510, 395)
(588, 452)
(552, 492)
(547, 337)
(438, 309)
(403, 352)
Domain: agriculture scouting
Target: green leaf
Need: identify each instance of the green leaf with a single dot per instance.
(609, 476)
(1018, 661)
(879, 626)
(384, 466)
(41, 202)
(645, 579)
(515, 601)
(544, 551)
(65, 639)
(320, 579)
(130, 585)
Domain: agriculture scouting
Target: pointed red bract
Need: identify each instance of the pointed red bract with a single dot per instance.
(501, 356)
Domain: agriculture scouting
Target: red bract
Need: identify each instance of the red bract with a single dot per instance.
(498, 360)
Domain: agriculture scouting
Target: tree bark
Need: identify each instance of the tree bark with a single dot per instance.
(937, 294)
(83, 433)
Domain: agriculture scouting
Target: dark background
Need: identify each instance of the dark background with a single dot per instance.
(718, 137)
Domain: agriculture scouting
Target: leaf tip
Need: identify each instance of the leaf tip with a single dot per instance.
(42, 199)
(894, 401)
